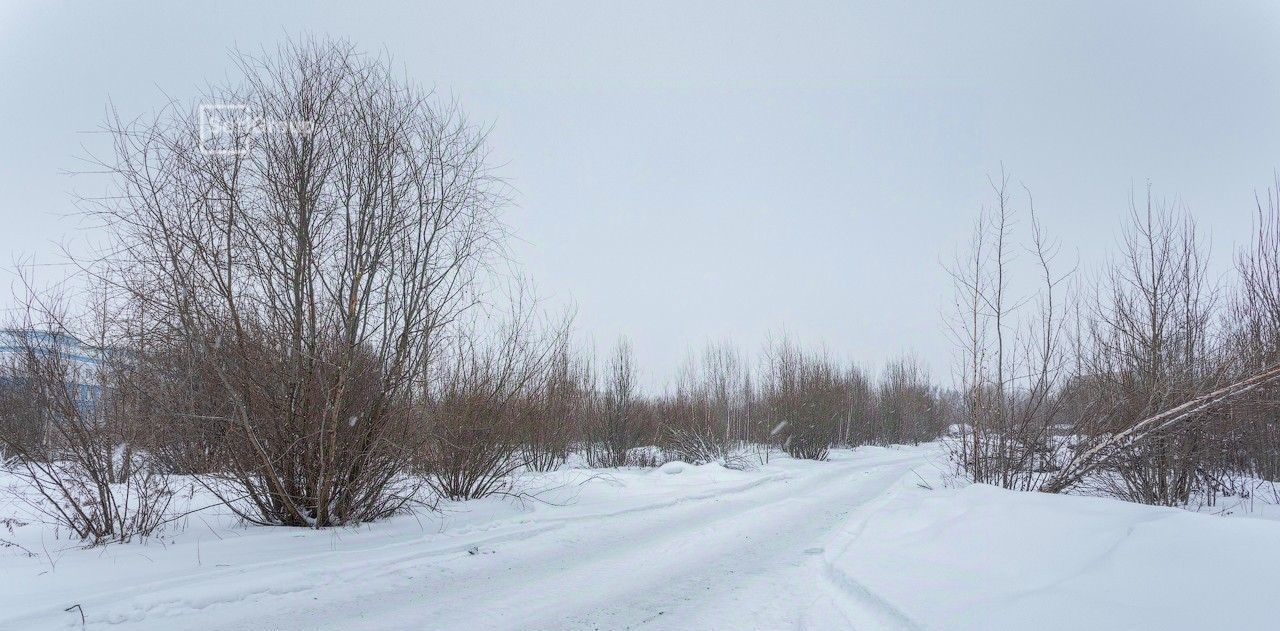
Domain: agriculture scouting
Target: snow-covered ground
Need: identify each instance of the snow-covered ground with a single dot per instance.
(857, 542)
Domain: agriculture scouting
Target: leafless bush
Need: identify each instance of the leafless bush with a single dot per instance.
(61, 401)
(710, 417)
(308, 274)
(804, 397)
(689, 445)
(621, 420)
(643, 457)
(476, 413)
(907, 406)
(553, 410)
(472, 447)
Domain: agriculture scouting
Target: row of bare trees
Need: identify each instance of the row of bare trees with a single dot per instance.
(533, 401)
(504, 398)
(1151, 380)
(800, 401)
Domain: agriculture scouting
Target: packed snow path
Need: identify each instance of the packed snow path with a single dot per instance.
(745, 555)
(749, 558)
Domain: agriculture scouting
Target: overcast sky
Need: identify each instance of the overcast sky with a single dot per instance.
(695, 170)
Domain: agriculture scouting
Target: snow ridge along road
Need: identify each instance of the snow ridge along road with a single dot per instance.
(711, 548)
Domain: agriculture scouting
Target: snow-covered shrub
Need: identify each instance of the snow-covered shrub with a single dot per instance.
(692, 446)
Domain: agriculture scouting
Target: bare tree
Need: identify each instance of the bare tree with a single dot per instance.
(861, 424)
(1182, 406)
(1150, 348)
(1012, 351)
(1257, 305)
(1254, 328)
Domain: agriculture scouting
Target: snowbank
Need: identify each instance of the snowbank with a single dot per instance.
(986, 558)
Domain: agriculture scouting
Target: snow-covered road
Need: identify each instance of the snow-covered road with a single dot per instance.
(747, 558)
(711, 548)
(871, 539)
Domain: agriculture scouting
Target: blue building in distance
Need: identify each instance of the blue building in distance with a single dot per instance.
(82, 361)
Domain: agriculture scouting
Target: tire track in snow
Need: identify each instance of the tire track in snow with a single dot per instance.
(863, 603)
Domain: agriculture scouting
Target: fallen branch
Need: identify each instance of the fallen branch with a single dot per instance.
(1110, 446)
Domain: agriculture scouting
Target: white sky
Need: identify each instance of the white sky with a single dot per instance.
(686, 173)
